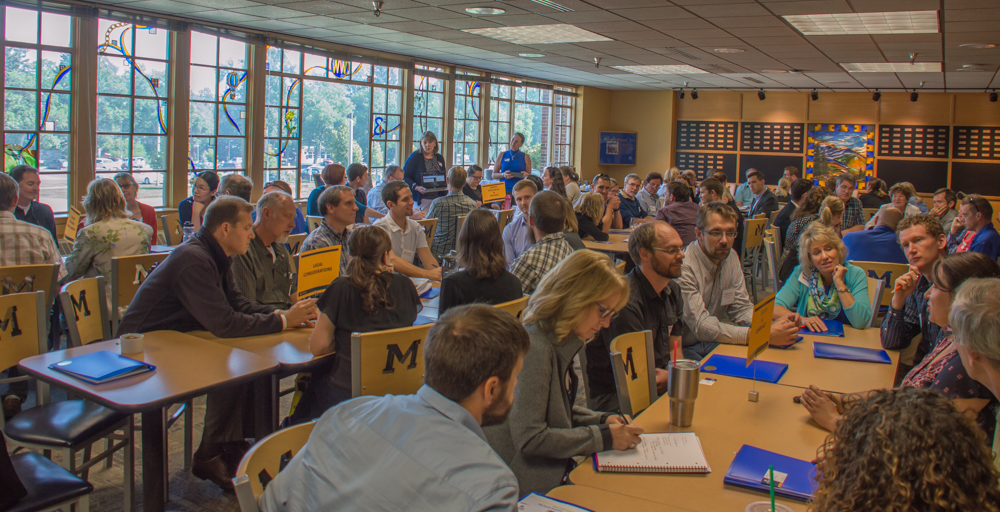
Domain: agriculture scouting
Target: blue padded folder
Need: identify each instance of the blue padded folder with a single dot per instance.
(846, 353)
(786, 347)
(422, 320)
(430, 294)
(751, 466)
(766, 371)
(834, 328)
(101, 367)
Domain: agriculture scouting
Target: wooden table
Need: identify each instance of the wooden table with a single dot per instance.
(600, 500)
(724, 420)
(828, 374)
(186, 367)
(617, 242)
(162, 248)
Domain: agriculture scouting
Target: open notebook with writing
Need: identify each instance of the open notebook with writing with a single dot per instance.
(657, 453)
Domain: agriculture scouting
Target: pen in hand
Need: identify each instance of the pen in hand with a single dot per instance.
(622, 417)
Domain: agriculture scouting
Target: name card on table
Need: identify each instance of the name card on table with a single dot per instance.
(760, 328)
(493, 192)
(317, 269)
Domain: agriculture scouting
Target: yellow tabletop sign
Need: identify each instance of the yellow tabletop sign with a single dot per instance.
(760, 328)
(493, 191)
(317, 269)
(72, 222)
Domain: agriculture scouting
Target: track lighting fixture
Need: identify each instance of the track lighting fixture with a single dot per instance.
(761, 95)
(914, 96)
(694, 95)
(993, 96)
(377, 8)
(877, 96)
(681, 94)
(814, 95)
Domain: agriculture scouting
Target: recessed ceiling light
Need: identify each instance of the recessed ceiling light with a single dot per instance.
(531, 55)
(900, 22)
(891, 67)
(484, 10)
(539, 34)
(972, 67)
(840, 82)
(978, 46)
(682, 69)
(730, 50)
(770, 71)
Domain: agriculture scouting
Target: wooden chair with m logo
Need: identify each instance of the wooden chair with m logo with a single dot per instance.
(31, 278)
(127, 275)
(69, 426)
(514, 307)
(173, 232)
(388, 362)
(263, 462)
(635, 375)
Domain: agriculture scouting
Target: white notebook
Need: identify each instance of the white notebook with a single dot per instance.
(657, 453)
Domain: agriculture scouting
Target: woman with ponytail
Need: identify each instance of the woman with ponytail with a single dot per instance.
(831, 213)
(370, 298)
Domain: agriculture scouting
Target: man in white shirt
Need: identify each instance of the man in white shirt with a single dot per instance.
(717, 307)
(517, 235)
(648, 196)
(408, 238)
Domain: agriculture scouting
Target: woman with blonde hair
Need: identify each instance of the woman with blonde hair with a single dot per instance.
(484, 277)
(831, 213)
(784, 188)
(824, 286)
(108, 232)
(588, 212)
(545, 430)
(571, 182)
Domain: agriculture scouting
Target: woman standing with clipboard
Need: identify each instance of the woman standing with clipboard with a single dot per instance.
(513, 164)
(424, 169)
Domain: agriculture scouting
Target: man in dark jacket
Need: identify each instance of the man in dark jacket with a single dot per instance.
(193, 289)
(764, 201)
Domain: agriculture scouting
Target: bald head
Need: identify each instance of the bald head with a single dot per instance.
(890, 217)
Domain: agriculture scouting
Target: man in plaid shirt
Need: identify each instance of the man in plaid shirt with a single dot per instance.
(447, 209)
(854, 219)
(547, 218)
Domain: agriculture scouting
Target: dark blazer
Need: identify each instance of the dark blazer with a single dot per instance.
(413, 172)
(40, 215)
(784, 219)
(768, 203)
(192, 290)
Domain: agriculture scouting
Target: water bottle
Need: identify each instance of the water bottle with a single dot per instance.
(188, 231)
(449, 264)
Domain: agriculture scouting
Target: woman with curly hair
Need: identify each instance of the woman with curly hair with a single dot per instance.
(906, 449)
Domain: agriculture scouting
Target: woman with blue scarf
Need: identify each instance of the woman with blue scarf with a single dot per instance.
(823, 286)
(513, 165)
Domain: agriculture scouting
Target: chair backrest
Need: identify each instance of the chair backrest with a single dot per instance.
(760, 216)
(388, 362)
(430, 227)
(23, 319)
(753, 235)
(772, 262)
(265, 460)
(314, 221)
(620, 267)
(775, 235)
(504, 217)
(127, 274)
(173, 231)
(31, 278)
(514, 307)
(869, 213)
(635, 376)
(461, 221)
(294, 242)
(876, 287)
(84, 303)
(887, 272)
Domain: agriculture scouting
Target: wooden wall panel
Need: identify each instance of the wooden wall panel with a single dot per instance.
(843, 108)
(778, 107)
(975, 110)
(930, 109)
(710, 106)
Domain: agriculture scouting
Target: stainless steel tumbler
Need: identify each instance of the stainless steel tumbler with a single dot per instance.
(682, 387)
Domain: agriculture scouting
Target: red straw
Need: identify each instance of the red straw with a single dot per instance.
(676, 349)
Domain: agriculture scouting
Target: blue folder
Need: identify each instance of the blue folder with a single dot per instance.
(751, 466)
(834, 328)
(422, 320)
(786, 347)
(430, 294)
(766, 371)
(101, 367)
(864, 355)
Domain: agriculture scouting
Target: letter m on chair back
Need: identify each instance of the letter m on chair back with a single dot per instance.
(127, 275)
(388, 362)
(887, 272)
(632, 360)
(84, 302)
(23, 317)
(31, 278)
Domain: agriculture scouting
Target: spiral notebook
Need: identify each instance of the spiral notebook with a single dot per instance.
(657, 453)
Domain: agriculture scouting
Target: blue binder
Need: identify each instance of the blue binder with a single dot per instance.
(846, 353)
(422, 320)
(430, 294)
(834, 328)
(101, 367)
(766, 371)
(786, 347)
(751, 466)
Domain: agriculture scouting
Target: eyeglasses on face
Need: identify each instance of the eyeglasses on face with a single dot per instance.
(606, 312)
(671, 251)
(716, 234)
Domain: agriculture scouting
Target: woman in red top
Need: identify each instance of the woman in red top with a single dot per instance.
(141, 212)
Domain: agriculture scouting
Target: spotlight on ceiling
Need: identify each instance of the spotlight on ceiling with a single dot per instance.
(377, 8)
(597, 62)
(877, 96)
(914, 96)
(681, 94)
(814, 95)
(761, 95)
(993, 96)
(694, 95)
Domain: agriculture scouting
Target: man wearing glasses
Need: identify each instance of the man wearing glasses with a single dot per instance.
(654, 304)
(717, 307)
(602, 185)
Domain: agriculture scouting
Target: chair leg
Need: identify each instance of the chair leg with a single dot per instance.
(83, 505)
(108, 461)
(128, 466)
(86, 459)
(188, 433)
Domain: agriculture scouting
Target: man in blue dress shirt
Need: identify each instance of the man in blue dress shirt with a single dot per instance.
(879, 244)
(422, 452)
(978, 215)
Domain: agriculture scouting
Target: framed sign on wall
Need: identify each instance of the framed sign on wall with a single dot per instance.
(617, 148)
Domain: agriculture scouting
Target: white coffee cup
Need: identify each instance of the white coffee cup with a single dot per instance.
(131, 343)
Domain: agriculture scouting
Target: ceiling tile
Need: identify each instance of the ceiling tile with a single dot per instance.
(321, 7)
(272, 25)
(167, 6)
(809, 7)
(729, 10)
(225, 16)
(222, 4)
(271, 11)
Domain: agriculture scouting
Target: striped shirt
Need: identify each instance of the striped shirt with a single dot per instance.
(22, 243)
(531, 266)
(446, 210)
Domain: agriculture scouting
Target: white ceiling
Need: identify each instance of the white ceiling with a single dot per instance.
(644, 32)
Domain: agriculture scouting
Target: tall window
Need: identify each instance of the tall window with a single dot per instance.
(283, 119)
(500, 117)
(36, 114)
(562, 129)
(132, 93)
(386, 120)
(428, 106)
(218, 109)
(532, 117)
(468, 93)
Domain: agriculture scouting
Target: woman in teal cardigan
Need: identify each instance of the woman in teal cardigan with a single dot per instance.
(823, 286)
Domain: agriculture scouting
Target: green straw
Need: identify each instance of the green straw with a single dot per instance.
(770, 470)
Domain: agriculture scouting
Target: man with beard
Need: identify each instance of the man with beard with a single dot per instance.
(717, 307)
(422, 452)
(264, 273)
(654, 304)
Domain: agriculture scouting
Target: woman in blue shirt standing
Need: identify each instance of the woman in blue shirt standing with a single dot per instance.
(513, 164)
(425, 168)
